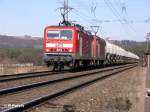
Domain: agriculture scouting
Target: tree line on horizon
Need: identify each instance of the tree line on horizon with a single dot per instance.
(35, 55)
(21, 55)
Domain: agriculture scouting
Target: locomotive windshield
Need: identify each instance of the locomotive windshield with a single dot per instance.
(59, 34)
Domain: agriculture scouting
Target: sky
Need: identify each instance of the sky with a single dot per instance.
(118, 19)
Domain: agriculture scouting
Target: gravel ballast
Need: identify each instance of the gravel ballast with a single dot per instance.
(124, 92)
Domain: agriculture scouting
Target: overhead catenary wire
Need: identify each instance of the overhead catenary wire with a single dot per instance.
(114, 13)
(60, 2)
(118, 16)
(119, 5)
(84, 19)
(92, 14)
(90, 20)
(78, 13)
(125, 18)
(93, 19)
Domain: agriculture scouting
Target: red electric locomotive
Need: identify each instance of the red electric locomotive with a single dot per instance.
(72, 46)
(98, 50)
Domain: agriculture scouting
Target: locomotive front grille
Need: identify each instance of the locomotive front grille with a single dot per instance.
(63, 57)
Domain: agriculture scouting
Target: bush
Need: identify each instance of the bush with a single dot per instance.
(21, 55)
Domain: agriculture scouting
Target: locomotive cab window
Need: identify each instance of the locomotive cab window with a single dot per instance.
(62, 34)
(66, 34)
(53, 34)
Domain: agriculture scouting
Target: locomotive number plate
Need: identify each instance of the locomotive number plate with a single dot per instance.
(60, 45)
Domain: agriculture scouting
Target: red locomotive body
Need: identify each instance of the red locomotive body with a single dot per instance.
(99, 49)
(59, 40)
(71, 46)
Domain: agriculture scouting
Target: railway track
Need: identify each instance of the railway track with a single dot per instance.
(29, 79)
(4, 78)
(40, 92)
(22, 84)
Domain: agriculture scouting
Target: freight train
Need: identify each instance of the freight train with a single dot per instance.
(72, 46)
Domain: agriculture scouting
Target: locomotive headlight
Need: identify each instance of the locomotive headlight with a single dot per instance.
(47, 50)
(70, 50)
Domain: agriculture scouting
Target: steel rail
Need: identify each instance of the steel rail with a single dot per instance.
(12, 77)
(40, 100)
(34, 85)
(19, 74)
(29, 75)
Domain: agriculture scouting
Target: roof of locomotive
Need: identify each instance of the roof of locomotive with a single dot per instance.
(99, 38)
(69, 27)
(61, 27)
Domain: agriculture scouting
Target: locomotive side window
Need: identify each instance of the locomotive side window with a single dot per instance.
(53, 34)
(66, 34)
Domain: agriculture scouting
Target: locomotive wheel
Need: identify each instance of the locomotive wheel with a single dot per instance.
(60, 66)
(75, 65)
